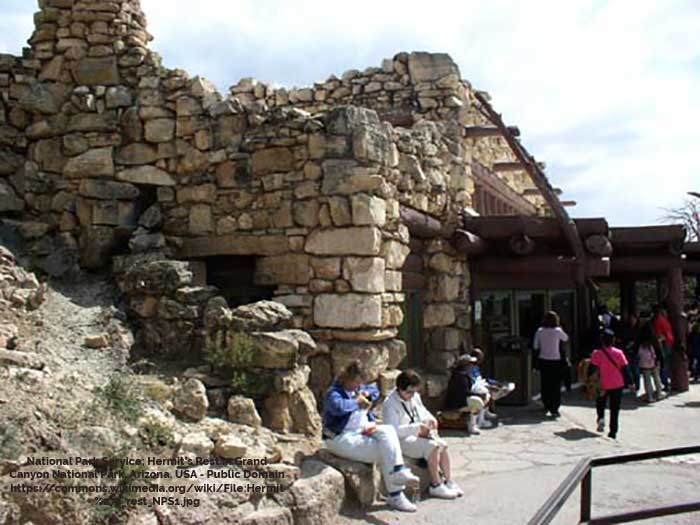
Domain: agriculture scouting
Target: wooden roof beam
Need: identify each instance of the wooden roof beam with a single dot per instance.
(468, 243)
(540, 180)
(502, 166)
(421, 224)
(475, 132)
(648, 234)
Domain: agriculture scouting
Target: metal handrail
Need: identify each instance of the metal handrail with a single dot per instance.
(582, 475)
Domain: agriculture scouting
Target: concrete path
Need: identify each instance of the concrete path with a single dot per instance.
(509, 471)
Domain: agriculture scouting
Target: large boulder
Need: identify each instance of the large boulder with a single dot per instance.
(262, 316)
(157, 277)
(190, 400)
(274, 349)
(427, 67)
(295, 412)
(242, 410)
(348, 310)
(362, 480)
(317, 497)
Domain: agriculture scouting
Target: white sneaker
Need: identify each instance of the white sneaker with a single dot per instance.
(455, 488)
(601, 425)
(441, 491)
(491, 415)
(404, 477)
(401, 503)
(472, 427)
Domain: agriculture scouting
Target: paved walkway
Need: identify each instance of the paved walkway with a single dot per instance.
(510, 470)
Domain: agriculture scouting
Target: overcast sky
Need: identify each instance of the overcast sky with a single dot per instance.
(605, 92)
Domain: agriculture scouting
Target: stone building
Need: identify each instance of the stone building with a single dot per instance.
(340, 201)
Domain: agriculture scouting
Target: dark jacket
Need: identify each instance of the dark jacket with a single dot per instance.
(458, 389)
(338, 405)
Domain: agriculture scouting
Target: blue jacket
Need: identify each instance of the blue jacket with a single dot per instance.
(337, 406)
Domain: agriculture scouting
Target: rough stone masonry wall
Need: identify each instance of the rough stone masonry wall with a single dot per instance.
(404, 90)
(108, 152)
(318, 201)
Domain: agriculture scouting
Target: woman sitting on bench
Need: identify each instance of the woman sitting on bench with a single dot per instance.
(350, 431)
(417, 431)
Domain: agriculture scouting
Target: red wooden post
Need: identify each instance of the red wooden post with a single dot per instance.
(679, 359)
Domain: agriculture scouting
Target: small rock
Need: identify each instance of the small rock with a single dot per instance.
(230, 447)
(97, 341)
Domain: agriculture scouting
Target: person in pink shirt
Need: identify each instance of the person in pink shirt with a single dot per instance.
(611, 364)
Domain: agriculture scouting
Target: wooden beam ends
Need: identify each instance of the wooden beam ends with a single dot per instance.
(599, 245)
(468, 243)
(420, 224)
(521, 244)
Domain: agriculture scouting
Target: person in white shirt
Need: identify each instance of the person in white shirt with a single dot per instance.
(350, 431)
(495, 390)
(416, 428)
(548, 339)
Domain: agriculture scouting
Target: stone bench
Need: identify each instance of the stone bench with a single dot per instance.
(363, 481)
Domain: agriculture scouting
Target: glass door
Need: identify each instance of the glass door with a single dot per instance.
(531, 306)
(493, 318)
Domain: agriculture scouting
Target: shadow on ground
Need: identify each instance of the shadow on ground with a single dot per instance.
(576, 434)
(366, 514)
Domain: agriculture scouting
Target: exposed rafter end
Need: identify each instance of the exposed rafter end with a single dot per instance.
(474, 132)
(514, 166)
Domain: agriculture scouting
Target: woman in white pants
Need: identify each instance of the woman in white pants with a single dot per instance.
(417, 431)
(350, 431)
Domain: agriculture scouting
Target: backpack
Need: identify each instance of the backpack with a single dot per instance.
(590, 385)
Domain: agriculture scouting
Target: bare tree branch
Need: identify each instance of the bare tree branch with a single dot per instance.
(687, 214)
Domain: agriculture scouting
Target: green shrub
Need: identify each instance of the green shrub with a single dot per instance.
(120, 396)
(156, 434)
(232, 352)
(114, 507)
(229, 349)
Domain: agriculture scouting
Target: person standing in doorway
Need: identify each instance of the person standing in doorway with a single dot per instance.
(612, 366)
(548, 339)
(664, 333)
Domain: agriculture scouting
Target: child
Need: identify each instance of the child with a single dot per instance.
(649, 364)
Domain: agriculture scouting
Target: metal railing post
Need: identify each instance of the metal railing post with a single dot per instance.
(586, 496)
